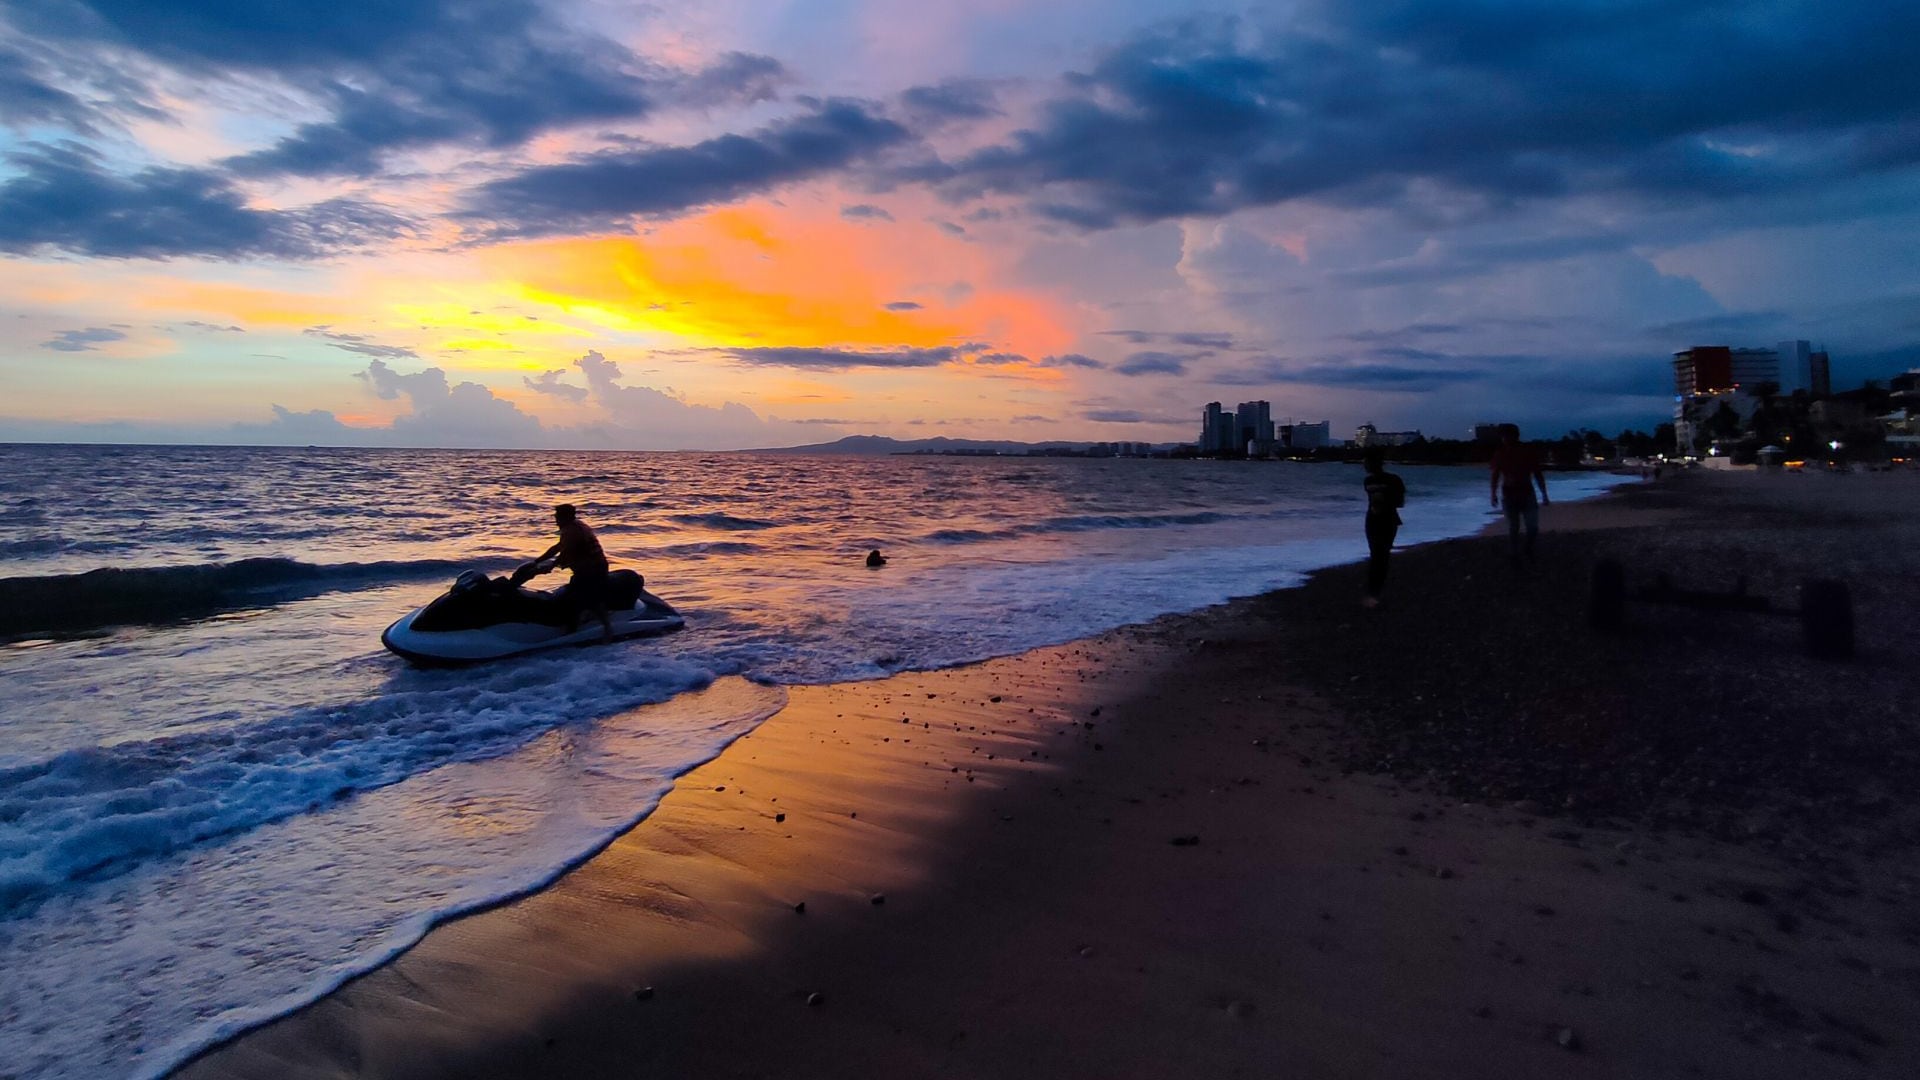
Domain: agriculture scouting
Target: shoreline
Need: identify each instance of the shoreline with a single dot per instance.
(1043, 911)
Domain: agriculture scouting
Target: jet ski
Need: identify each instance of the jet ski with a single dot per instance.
(491, 618)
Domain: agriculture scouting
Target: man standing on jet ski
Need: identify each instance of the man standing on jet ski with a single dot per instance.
(579, 550)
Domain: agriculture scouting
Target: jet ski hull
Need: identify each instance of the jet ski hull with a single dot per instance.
(499, 641)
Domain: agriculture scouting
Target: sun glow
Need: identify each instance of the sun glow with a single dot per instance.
(759, 276)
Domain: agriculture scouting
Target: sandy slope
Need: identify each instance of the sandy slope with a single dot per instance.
(1145, 855)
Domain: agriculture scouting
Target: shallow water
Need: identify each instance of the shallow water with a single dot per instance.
(219, 796)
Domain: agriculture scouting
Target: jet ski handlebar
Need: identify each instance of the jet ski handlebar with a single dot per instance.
(530, 570)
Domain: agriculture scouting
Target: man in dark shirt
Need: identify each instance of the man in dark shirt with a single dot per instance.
(579, 550)
(1385, 496)
(1516, 469)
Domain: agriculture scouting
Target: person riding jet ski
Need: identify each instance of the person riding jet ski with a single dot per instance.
(487, 618)
(579, 550)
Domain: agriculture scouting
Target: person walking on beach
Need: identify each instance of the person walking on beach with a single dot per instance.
(1386, 494)
(1516, 469)
(579, 550)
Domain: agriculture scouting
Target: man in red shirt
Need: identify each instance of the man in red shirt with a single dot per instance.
(579, 550)
(1516, 469)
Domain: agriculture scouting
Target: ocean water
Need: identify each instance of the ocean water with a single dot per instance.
(220, 797)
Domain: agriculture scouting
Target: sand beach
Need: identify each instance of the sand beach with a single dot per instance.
(1459, 836)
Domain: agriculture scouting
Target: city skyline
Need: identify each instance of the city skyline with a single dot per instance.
(530, 223)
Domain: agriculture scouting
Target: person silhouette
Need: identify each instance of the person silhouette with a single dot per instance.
(1386, 494)
(1516, 469)
(579, 550)
(875, 559)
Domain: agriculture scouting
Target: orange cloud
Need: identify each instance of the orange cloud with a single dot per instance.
(760, 275)
(240, 303)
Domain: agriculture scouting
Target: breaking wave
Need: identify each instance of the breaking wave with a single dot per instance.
(112, 596)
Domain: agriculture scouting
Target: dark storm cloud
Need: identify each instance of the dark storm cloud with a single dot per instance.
(1410, 330)
(605, 188)
(63, 199)
(1155, 363)
(1725, 326)
(87, 340)
(1198, 339)
(399, 74)
(26, 98)
(1390, 370)
(1463, 260)
(1130, 416)
(1381, 376)
(1505, 100)
(843, 359)
(736, 78)
(955, 99)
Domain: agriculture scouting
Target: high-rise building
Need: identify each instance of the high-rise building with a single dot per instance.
(1819, 374)
(1255, 420)
(1803, 367)
(1706, 374)
(1796, 360)
(1219, 430)
(1223, 432)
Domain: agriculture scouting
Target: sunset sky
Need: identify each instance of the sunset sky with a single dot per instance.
(737, 224)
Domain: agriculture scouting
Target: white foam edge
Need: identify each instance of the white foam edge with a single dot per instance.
(212, 1035)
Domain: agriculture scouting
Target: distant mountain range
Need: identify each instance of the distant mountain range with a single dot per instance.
(881, 444)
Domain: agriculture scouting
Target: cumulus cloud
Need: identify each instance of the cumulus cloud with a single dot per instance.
(87, 340)
(548, 382)
(450, 414)
(645, 418)
(613, 186)
(64, 198)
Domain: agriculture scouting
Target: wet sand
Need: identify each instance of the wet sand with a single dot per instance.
(1284, 836)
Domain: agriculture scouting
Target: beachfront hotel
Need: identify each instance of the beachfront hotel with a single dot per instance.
(1708, 376)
